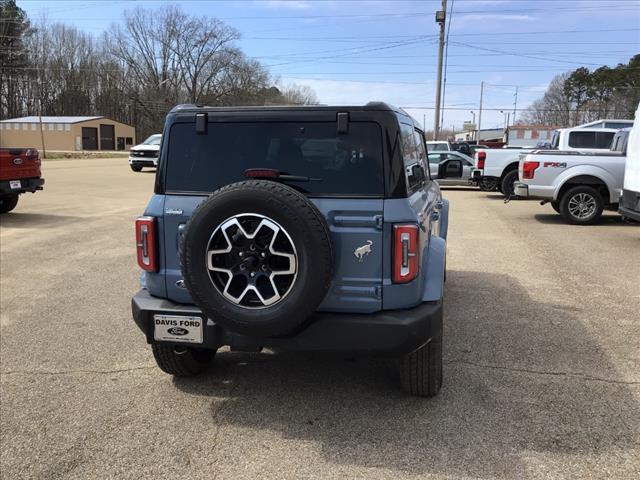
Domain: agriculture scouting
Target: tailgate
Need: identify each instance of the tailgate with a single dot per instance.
(19, 163)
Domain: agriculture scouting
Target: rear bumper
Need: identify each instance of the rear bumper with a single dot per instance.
(521, 190)
(26, 185)
(386, 333)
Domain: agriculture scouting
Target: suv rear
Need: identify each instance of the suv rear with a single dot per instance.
(294, 228)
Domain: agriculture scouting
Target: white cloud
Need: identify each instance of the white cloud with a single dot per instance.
(293, 4)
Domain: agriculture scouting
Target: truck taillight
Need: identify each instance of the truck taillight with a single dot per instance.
(481, 158)
(406, 257)
(146, 243)
(529, 170)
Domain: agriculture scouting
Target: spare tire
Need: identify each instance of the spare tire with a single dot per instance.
(257, 258)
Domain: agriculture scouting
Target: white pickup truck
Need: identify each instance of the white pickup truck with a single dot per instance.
(498, 168)
(579, 185)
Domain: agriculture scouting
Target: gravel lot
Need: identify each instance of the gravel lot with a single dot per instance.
(542, 358)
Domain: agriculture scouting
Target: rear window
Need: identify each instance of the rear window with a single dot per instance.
(343, 164)
(590, 139)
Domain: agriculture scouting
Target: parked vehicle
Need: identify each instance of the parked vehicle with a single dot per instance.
(438, 146)
(296, 228)
(451, 168)
(462, 147)
(498, 168)
(583, 139)
(19, 173)
(146, 154)
(630, 199)
(579, 185)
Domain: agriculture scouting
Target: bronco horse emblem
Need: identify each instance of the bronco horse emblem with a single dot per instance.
(363, 251)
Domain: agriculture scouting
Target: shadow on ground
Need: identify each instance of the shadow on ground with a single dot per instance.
(607, 219)
(31, 220)
(521, 378)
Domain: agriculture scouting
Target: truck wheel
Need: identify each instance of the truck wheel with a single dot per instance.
(421, 370)
(257, 258)
(556, 206)
(8, 203)
(508, 184)
(136, 168)
(181, 361)
(487, 185)
(581, 205)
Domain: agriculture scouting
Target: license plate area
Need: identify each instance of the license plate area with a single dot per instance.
(177, 328)
(15, 184)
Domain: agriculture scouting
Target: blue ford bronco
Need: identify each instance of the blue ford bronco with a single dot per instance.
(312, 228)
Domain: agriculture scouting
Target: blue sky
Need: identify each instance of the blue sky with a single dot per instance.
(356, 51)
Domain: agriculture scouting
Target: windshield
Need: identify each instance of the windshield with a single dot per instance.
(336, 163)
(153, 140)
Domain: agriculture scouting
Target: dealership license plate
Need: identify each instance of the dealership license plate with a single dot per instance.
(15, 184)
(176, 328)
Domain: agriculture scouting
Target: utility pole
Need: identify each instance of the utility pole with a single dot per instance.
(480, 111)
(44, 151)
(440, 19)
(515, 104)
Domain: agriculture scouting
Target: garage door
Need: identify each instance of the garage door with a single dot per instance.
(89, 138)
(107, 137)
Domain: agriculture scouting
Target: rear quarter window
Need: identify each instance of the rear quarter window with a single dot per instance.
(338, 164)
(590, 139)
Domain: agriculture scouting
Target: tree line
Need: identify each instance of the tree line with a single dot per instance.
(134, 72)
(584, 95)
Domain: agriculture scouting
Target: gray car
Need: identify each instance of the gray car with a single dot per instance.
(451, 168)
(295, 228)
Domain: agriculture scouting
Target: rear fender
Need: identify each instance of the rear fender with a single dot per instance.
(444, 219)
(600, 173)
(433, 267)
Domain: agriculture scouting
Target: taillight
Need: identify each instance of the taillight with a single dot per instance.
(529, 169)
(406, 257)
(146, 243)
(481, 158)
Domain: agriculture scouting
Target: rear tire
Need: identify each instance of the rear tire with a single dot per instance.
(136, 168)
(421, 370)
(582, 205)
(507, 187)
(556, 206)
(8, 203)
(181, 361)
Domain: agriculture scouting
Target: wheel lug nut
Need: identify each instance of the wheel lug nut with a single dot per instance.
(263, 254)
(253, 274)
(240, 254)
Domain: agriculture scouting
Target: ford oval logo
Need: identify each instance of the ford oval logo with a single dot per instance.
(178, 331)
(17, 161)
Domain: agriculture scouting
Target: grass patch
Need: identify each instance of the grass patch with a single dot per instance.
(84, 155)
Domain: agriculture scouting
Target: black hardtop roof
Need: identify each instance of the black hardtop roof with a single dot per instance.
(371, 106)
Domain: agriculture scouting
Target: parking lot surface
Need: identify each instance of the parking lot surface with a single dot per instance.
(541, 376)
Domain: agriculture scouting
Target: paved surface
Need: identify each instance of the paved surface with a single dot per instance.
(542, 374)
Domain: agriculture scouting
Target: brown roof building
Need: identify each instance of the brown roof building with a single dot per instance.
(66, 133)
